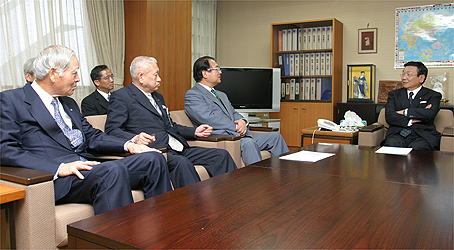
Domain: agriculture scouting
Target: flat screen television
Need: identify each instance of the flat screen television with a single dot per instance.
(252, 90)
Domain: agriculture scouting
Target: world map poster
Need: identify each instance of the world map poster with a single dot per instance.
(425, 33)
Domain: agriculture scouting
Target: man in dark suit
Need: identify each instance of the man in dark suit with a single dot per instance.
(43, 129)
(411, 110)
(138, 111)
(97, 102)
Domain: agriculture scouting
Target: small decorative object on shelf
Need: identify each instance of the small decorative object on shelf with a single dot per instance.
(438, 82)
(367, 41)
(386, 86)
(361, 82)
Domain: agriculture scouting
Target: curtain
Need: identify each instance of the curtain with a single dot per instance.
(28, 26)
(203, 29)
(107, 25)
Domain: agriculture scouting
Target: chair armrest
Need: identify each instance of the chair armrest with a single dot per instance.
(448, 131)
(264, 129)
(371, 128)
(24, 176)
(216, 138)
(371, 139)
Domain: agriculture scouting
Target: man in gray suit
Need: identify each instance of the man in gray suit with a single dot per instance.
(205, 105)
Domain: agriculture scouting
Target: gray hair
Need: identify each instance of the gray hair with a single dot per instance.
(28, 66)
(138, 63)
(53, 57)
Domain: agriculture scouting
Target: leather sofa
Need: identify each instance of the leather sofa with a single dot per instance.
(374, 134)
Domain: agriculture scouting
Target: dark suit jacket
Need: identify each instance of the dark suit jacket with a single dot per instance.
(94, 104)
(130, 113)
(31, 138)
(398, 100)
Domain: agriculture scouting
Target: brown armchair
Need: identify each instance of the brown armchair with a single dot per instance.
(229, 143)
(374, 134)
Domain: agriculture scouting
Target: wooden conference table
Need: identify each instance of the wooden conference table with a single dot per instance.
(355, 199)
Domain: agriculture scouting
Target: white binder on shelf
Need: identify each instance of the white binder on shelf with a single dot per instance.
(328, 63)
(328, 37)
(312, 84)
(292, 64)
(322, 64)
(317, 64)
(294, 39)
(302, 64)
(305, 38)
(289, 39)
(323, 38)
(319, 38)
(307, 89)
(292, 89)
(284, 40)
(307, 58)
(300, 39)
(312, 64)
(297, 64)
(297, 89)
(302, 94)
(309, 38)
(318, 89)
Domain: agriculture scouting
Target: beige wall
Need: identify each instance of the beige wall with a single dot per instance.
(244, 32)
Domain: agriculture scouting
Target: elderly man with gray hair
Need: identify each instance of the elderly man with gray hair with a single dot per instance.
(138, 112)
(43, 129)
(29, 71)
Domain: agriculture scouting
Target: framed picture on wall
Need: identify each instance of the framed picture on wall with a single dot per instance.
(361, 82)
(367, 41)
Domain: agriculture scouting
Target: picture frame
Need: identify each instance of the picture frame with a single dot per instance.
(367, 40)
(386, 86)
(361, 83)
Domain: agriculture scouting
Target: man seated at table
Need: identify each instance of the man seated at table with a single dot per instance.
(204, 104)
(43, 129)
(411, 110)
(97, 102)
(138, 110)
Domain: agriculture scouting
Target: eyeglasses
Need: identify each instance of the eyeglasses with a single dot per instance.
(407, 74)
(111, 77)
(217, 68)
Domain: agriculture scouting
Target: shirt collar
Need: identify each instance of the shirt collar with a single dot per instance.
(415, 91)
(206, 87)
(104, 94)
(43, 95)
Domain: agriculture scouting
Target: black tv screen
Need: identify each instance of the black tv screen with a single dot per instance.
(250, 89)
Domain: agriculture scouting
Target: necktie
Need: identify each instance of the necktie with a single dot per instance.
(155, 105)
(410, 99)
(213, 91)
(74, 135)
(173, 142)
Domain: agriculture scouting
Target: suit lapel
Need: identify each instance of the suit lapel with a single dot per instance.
(210, 96)
(43, 117)
(101, 100)
(142, 99)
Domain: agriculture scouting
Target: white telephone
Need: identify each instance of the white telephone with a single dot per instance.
(326, 124)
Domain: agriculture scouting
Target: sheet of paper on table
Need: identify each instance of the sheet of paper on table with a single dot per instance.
(393, 150)
(308, 156)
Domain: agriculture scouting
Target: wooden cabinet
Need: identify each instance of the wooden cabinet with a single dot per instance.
(295, 116)
(303, 110)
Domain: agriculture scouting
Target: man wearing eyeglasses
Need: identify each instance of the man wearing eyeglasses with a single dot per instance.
(411, 110)
(97, 102)
(204, 104)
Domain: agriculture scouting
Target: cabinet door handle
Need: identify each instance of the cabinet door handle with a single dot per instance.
(295, 108)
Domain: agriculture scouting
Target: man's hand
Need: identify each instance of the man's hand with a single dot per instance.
(143, 138)
(241, 126)
(203, 130)
(400, 112)
(134, 148)
(67, 169)
(428, 106)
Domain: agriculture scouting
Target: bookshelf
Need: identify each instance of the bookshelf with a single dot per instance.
(311, 73)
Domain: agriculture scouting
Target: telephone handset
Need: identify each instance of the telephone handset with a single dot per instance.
(326, 124)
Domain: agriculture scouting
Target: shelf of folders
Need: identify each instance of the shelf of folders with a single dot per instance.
(306, 89)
